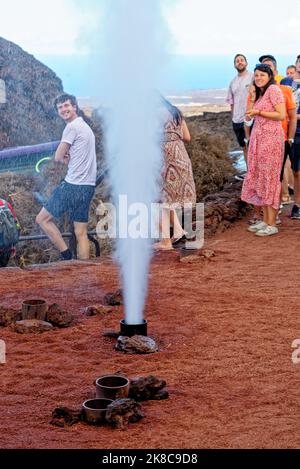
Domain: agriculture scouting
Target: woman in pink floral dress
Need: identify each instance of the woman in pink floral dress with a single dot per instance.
(265, 155)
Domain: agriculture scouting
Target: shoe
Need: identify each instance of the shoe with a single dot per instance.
(178, 240)
(295, 214)
(258, 226)
(239, 177)
(267, 231)
(253, 221)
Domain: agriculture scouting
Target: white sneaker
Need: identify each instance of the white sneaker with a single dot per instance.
(267, 231)
(257, 226)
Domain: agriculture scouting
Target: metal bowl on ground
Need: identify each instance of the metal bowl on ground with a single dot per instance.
(94, 410)
(34, 309)
(112, 387)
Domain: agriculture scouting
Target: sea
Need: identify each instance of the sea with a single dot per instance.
(188, 79)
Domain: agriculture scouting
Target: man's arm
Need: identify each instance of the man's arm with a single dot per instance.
(62, 153)
(230, 99)
(292, 123)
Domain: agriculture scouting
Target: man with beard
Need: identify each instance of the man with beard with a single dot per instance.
(237, 98)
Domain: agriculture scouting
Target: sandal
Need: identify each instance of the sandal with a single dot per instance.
(286, 201)
(180, 239)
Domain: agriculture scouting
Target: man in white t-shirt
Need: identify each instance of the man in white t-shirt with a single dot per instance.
(237, 97)
(75, 193)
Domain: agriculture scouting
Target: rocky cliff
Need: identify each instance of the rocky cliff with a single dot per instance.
(214, 123)
(27, 117)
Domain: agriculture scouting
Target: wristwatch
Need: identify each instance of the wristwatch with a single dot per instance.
(291, 140)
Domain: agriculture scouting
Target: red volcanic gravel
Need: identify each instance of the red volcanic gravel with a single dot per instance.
(224, 327)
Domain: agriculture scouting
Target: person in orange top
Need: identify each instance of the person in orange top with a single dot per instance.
(265, 59)
(289, 125)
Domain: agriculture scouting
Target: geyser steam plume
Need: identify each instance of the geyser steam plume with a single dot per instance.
(135, 36)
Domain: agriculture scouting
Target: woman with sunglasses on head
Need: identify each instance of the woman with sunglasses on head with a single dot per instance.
(262, 184)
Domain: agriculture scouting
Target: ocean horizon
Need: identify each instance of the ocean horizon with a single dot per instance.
(184, 75)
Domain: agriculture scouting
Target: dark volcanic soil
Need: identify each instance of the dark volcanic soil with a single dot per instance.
(224, 326)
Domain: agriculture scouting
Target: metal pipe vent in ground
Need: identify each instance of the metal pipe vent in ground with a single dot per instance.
(130, 330)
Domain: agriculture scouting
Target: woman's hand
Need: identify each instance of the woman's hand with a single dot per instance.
(252, 113)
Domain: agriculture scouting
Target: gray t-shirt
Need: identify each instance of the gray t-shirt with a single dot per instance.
(82, 167)
(238, 95)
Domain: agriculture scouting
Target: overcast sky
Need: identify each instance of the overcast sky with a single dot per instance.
(198, 26)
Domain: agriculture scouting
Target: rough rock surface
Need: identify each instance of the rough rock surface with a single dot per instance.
(148, 388)
(31, 326)
(219, 123)
(114, 299)
(212, 165)
(9, 316)
(58, 317)
(98, 310)
(63, 416)
(223, 208)
(122, 412)
(138, 344)
(191, 259)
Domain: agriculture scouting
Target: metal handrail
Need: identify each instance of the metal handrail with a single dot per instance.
(68, 234)
(13, 152)
(50, 147)
(91, 236)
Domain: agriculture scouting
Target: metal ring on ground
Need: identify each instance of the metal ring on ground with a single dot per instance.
(37, 166)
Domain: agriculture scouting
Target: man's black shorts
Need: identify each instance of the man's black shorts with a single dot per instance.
(239, 133)
(287, 152)
(295, 158)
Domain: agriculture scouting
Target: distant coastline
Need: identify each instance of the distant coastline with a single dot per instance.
(190, 102)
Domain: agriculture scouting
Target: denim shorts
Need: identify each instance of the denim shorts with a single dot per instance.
(72, 199)
(295, 156)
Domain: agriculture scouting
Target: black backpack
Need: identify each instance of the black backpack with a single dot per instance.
(9, 230)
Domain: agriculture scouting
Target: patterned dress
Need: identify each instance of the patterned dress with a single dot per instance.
(178, 180)
(265, 156)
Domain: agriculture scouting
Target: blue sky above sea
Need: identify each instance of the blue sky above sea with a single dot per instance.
(182, 73)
